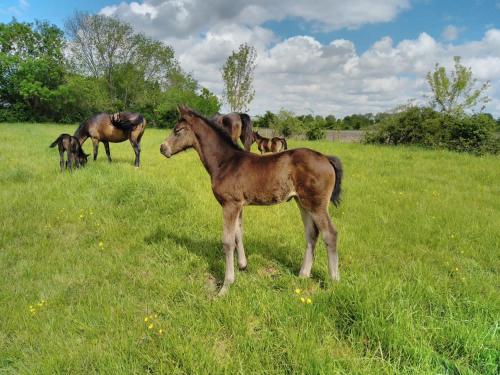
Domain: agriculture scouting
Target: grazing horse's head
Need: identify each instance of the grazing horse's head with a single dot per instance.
(182, 136)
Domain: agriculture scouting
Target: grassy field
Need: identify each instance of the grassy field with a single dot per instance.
(114, 269)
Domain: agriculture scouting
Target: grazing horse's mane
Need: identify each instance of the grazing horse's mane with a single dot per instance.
(219, 130)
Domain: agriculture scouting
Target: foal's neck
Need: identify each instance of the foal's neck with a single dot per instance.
(214, 151)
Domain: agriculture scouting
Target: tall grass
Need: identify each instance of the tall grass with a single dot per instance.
(86, 258)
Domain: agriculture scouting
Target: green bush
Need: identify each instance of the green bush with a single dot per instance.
(425, 127)
(286, 124)
(315, 133)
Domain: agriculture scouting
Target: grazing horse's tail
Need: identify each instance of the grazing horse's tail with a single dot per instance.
(337, 166)
(285, 146)
(246, 130)
(54, 144)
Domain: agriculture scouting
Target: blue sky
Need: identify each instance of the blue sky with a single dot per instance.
(470, 17)
(326, 56)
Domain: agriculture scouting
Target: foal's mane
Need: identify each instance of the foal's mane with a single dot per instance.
(219, 130)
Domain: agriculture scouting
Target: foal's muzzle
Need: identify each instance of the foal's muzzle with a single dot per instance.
(165, 150)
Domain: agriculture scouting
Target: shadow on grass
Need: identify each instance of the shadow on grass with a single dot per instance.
(212, 251)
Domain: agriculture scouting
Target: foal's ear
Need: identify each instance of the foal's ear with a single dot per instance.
(184, 110)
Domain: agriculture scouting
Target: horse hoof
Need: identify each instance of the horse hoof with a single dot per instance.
(242, 267)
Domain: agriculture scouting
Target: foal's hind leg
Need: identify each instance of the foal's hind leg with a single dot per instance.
(70, 161)
(108, 153)
(323, 222)
(61, 161)
(242, 259)
(311, 234)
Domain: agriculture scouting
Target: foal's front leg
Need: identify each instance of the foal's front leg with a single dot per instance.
(230, 213)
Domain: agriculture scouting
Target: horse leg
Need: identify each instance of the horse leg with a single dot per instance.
(230, 213)
(242, 259)
(95, 142)
(137, 149)
(324, 224)
(311, 234)
(108, 153)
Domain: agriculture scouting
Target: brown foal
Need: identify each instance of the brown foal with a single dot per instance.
(241, 178)
(275, 144)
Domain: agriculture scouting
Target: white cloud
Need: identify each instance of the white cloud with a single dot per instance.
(15, 10)
(300, 73)
(185, 18)
(450, 33)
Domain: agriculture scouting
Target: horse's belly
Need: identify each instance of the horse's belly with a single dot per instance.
(113, 135)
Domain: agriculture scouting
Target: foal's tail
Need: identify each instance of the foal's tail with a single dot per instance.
(337, 166)
(54, 144)
(246, 130)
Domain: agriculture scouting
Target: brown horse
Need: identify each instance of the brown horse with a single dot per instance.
(275, 144)
(241, 178)
(74, 153)
(238, 125)
(115, 128)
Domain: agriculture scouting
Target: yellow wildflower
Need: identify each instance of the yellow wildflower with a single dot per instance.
(302, 299)
(81, 216)
(151, 326)
(160, 331)
(298, 291)
(146, 319)
(101, 244)
(309, 301)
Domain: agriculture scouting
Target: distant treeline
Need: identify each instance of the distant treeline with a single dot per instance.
(102, 66)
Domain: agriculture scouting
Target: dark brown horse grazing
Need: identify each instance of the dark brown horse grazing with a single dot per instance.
(69, 144)
(241, 178)
(238, 125)
(275, 144)
(115, 128)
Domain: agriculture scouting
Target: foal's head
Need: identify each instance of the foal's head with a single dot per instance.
(182, 137)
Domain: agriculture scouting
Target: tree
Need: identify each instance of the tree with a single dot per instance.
(237, 74)
(131, 64)
(458, 92)
(285, 123)
(31, 69)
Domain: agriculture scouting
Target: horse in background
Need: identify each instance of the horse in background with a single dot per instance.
(74, 153)
(242, 178)
(237, 125)
(115, 128)
(275, 144)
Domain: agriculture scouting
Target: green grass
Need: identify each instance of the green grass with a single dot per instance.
(419, 261)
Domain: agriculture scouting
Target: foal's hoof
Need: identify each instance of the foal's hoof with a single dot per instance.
(242, 267)
(223, 291)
